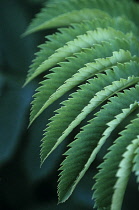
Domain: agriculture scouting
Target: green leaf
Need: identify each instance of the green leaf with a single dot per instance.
(84, 149)
(81, 104)
(136, 163)
(106, 178)
(41, 103)
(123, 173)
(64, 13)
(70, 17)
(94, 64)
(87, 40)
(67, 34)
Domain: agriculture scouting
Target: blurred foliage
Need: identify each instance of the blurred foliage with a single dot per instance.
(23, 184)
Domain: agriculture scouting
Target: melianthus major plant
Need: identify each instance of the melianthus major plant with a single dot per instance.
(94, 55)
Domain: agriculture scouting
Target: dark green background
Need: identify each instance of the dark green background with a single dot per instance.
(23, 184)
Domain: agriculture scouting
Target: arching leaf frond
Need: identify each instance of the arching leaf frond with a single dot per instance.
(83, 152)
(82, 103)
(83, 74)
(93, 62)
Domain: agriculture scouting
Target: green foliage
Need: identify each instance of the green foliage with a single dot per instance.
(94, 61)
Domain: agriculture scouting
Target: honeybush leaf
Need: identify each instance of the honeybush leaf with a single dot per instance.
(40, 103)
(106, 178)
(96, 58)
(78, 162)
(81, 104)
